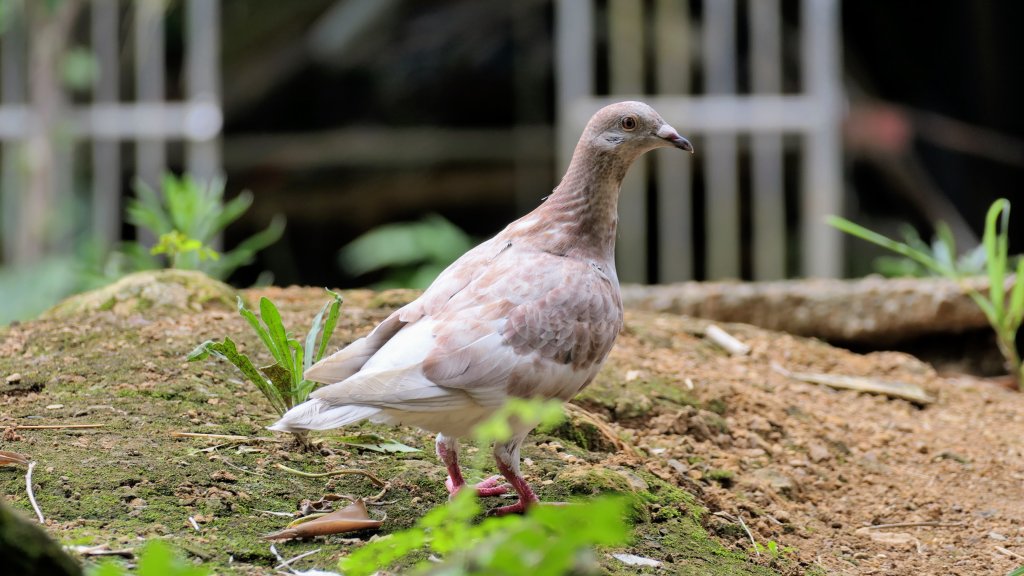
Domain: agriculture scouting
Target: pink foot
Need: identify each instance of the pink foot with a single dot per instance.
(492, 486)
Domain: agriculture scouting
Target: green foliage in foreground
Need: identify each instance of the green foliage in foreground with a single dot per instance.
(282, 382)
(1004, 311)
(1017, 572)
(413, 253)
(547, 541)
(156, 559)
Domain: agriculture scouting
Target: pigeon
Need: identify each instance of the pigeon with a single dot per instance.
(531, 313)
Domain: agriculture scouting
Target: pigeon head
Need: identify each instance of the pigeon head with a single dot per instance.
(632, 128)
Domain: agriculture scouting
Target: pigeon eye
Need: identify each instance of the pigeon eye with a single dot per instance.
(629, 123)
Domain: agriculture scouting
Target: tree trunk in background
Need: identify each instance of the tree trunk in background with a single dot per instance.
(43, 197)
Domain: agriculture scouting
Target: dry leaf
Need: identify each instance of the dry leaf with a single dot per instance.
(351, 518)
(8, 458)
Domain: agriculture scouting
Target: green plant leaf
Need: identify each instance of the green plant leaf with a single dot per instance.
(311, 342)
(146, 210)
(296, 368)
(157, 559)
(875, 238)
(332, 322)
(1017, 572)
(232, 209)
(226, 350)
(375, 443)
(996, 253)
(275, 327)
(262, 332)
(281, 378)
(245, 252)
(1015, 305)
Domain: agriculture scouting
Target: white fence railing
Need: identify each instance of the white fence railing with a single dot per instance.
(35, 36)
(662, 36)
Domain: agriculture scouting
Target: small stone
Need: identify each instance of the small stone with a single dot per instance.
(778, 481)
(676, 465)
(996, 536)
(759, 424)
(818, 452)
(54, 406)
(13, 378)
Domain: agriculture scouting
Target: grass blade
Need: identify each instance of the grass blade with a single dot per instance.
(1015, 310)
(996, 254)
(863, 233)
(296, 369)
(332, 322)
(314, 329)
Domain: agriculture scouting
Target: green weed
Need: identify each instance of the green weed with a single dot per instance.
(546, 541)
(773, 550)
(157, 559)
(186, 220)
(282, 382)
(1004, 311)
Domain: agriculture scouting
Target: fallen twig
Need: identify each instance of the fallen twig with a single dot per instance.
(101, 550)
(55, 426)
(194, 524)
(239, 468)
(231, 437)
(914, 525)
(1009, 553)
(900, 390)
(288, 563)
(273, 513)
(749, 535)
(341, 472)
(31, 494)
(384, 486)
(726, 341)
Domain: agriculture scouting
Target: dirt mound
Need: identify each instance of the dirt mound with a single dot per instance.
(717, 445)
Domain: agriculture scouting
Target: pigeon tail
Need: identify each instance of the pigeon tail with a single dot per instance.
(318, 414)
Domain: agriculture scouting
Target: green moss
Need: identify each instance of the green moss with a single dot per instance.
(637, 398)
(131, 377)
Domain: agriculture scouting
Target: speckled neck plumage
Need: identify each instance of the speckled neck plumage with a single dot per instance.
(579, 219)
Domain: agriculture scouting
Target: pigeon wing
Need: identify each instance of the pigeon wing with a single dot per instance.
(540, 330)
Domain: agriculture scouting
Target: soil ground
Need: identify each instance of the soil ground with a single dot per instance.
(719, 439)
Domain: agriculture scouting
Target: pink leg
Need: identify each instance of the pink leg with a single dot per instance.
(507, 457)
(448, 452)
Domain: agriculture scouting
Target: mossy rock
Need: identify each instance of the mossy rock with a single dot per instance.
(164, 290)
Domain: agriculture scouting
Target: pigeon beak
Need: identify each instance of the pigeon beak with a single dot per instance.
(669, 134)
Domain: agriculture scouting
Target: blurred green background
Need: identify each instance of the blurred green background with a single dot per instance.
(442, 121)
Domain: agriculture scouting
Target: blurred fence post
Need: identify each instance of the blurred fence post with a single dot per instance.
(29, 125)
(718, 118)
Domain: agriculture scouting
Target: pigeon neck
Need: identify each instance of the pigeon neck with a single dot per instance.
(583, 209)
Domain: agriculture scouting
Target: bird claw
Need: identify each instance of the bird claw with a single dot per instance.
(521, 508)
(518, 508)
(493, 486)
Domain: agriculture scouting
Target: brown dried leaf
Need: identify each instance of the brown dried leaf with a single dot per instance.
(351, 518)
(9, 458)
